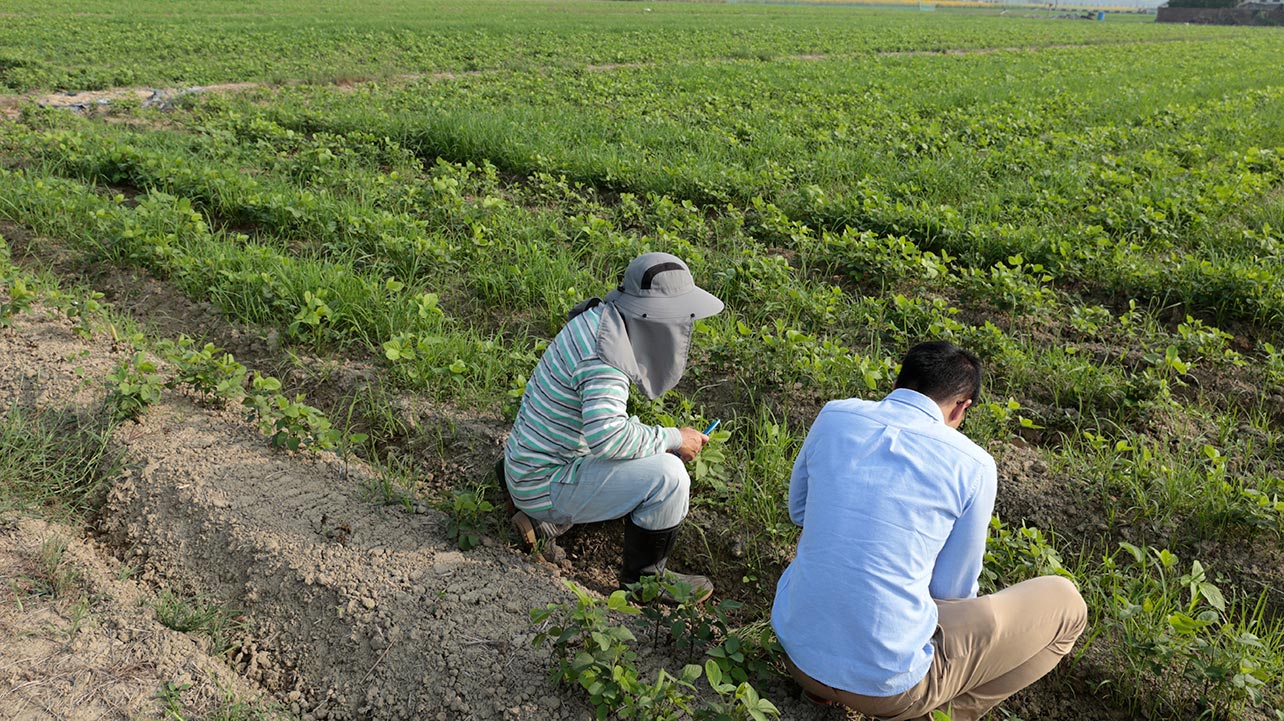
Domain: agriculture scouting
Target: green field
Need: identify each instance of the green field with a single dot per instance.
(1096, 208)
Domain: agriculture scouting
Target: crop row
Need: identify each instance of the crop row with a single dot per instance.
(318, 196)
(1166, 616)
(1155, 185)
(65, 45)
(330, 282)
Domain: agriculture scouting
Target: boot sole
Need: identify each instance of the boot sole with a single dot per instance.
(666, 600)
(525, 530)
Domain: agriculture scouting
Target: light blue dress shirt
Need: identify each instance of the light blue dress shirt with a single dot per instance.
(895, 506)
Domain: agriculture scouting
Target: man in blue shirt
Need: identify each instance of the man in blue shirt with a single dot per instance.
(879, 609)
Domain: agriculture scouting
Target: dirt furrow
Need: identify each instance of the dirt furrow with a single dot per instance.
(368, 609)
(90, 648)
(354, 610)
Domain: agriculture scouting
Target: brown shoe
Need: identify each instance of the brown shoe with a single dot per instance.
(539, 537)
(524, 527)
(701, 587)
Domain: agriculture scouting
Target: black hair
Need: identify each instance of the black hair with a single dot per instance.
(941, 371)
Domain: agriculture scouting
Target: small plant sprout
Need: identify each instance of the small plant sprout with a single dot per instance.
(19, 298)
(132, 386)
(469, 515)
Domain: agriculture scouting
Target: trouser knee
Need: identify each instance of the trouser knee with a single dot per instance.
(666, 504)
(1065, 595)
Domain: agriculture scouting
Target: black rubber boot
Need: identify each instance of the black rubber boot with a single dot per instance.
(647, 552)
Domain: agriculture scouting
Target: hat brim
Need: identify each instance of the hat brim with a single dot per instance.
(695, 304)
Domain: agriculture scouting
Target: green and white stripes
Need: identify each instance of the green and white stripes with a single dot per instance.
(575, 405)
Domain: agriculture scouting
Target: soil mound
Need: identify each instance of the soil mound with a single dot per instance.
(352, 609)
(358, 610)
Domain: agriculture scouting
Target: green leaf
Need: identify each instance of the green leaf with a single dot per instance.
(619, 602)
(602, 641)
(1136, 552)
(713, 672)
(1213, 595)
(1185, 625)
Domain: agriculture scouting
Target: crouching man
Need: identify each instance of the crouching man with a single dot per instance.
(576, 456)
(879, 609)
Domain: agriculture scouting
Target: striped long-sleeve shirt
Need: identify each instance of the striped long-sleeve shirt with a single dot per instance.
(575, 406)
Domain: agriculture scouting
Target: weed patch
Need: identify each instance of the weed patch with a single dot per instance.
(54, 461)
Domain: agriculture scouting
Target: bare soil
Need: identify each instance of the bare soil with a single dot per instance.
(356, 610)
(94, 649)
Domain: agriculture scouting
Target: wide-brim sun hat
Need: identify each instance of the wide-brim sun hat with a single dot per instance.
(659, 286)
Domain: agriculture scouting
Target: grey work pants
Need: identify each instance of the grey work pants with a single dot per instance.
(986, 649)
(654, 491)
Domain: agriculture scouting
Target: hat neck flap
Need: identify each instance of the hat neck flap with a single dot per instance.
(652, 353)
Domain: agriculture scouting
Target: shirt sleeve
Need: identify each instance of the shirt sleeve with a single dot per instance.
(798, 488)
(608, 429)
(958, 565)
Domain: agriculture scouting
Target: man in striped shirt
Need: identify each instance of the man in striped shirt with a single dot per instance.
(576, 456)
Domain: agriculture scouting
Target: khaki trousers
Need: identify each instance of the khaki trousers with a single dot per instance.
(986, 649)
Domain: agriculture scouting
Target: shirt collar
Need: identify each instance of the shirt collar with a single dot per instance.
(914, 399)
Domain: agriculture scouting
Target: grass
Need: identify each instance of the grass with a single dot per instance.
(230, 708)
(197, 614)
(68, 45)
(54, 462)
(52, 578)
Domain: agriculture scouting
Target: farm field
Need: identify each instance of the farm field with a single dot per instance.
(379, 214)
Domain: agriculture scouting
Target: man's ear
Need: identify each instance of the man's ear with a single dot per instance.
(954, 418)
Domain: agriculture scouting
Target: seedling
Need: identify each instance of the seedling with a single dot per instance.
(133, 385)
(469, 515)
(207, 370)
(595, 654)
(20, 297)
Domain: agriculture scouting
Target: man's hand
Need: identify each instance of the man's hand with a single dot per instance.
(693, 442)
